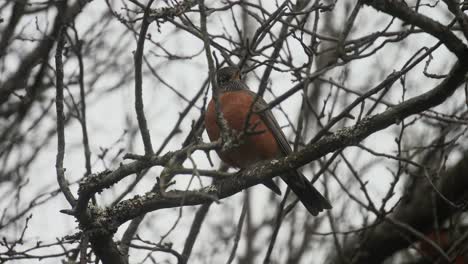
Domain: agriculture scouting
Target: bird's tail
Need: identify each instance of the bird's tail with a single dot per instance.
(307, 194)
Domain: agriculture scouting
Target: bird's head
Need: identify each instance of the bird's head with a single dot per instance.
(227, 74)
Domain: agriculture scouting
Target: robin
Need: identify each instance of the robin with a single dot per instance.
(262, 140)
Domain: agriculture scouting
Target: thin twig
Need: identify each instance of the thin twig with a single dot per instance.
(138, 58)
(60, 121)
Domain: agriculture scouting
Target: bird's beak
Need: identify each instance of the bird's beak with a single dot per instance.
(238, 76)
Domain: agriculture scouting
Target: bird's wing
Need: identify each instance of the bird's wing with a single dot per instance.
(270, 121)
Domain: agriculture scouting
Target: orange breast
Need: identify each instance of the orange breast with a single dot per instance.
(235, 106)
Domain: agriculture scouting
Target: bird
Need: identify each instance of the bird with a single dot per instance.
(262, 140)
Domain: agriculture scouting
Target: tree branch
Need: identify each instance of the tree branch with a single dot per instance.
(138, 57)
